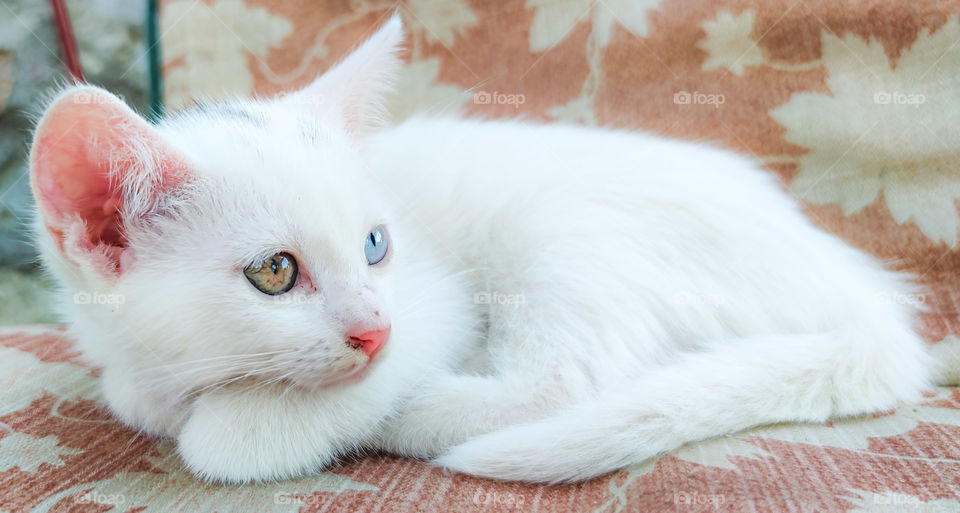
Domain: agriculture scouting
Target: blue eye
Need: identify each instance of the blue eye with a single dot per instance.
(375, 247)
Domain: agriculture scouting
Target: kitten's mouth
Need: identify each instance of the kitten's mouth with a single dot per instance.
(353, 375)
(352, 367)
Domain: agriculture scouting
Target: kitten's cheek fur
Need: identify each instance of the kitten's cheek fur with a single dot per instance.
(230, 438)
(151, 413)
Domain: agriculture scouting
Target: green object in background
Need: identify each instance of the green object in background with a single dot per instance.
(155, 71)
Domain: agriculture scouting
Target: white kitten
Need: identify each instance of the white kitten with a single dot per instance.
(552, 302)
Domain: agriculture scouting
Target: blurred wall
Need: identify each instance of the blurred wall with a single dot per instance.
(110, 37)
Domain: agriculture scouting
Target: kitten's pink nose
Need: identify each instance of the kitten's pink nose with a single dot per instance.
(370, 342)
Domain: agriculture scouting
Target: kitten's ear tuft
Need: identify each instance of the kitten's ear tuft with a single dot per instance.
(92, 162)
(354, 88)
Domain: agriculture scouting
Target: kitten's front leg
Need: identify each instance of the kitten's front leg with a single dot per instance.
(243, 434)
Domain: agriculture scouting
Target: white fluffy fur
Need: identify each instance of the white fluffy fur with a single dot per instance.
(644, 293)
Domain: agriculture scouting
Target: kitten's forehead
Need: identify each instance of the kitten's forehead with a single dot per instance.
(253, 126)
(267, 144)
(232, 113)
(285, 175)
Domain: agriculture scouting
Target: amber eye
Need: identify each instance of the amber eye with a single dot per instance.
(274, 275)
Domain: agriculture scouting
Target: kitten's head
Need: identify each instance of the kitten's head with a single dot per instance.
(237, 240)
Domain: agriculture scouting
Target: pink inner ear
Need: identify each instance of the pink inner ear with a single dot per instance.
(70, 184)
(73, 150)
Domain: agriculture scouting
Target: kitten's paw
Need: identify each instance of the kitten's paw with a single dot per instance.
(233, 439)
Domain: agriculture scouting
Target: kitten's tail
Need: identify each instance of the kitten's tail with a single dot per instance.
(737, 385)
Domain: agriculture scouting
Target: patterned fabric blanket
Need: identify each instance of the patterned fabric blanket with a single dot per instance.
(852, 105)
(60, 450)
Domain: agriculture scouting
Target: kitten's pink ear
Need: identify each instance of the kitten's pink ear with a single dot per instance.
(354, 88)
(90, 153)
